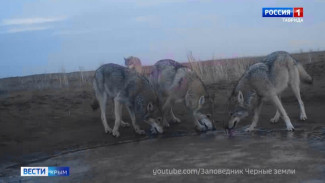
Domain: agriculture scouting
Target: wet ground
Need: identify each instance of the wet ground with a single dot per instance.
(291, 157)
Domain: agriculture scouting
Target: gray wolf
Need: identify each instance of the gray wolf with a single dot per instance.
(266, 80)
(176, 83)
(133, 63)
(112, 81)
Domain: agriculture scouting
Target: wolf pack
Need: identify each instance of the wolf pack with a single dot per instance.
(151, 98)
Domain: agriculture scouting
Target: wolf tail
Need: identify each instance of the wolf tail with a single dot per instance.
(304, 76)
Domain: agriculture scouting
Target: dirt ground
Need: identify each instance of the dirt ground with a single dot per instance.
(58, 128)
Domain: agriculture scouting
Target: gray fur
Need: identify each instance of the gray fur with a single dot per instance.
(266, 80)
(175, 83)
(127, 88)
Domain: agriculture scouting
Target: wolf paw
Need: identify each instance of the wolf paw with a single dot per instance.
(140, 132)
(249, 129)
(116, 133)
(274, 120)
(124, 124)
(108, 130)
(303, 117)
(290, 128)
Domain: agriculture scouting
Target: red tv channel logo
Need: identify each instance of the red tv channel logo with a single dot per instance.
(298, 12)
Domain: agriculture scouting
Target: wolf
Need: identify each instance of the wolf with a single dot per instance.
(125, 87)
(133, 63)
(266, 80)
(176, 83)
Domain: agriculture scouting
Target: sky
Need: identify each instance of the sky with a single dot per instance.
(46, 36)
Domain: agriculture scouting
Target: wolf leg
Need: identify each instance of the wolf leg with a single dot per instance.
(257, 112)
(276, 117)
(117, 112)
(283, 113)
(123, 124)
(165, 110)
(134, 124)
(294, 83)
(175, 119)
(102, 99)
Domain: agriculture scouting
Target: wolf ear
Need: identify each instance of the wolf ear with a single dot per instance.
(240, 97)
(201, 100)
(150, 107)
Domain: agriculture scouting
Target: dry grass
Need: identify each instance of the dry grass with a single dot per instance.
(214, 71)
(47, 81)
(211, 71)
(229, 70)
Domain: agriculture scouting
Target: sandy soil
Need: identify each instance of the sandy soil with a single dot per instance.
(44, 127)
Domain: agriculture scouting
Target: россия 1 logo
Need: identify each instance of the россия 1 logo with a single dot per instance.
(287, 14)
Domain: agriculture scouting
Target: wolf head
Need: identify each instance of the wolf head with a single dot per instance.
(237, 109)
(196, 97)
(147, 107)
(133, 63)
